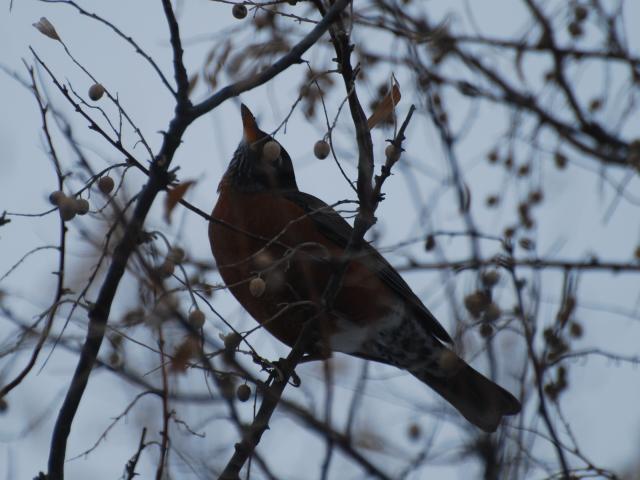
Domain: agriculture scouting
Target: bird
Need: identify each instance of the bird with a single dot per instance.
(276, 249)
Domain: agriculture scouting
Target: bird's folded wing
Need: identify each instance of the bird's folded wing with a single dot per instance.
(331, 224)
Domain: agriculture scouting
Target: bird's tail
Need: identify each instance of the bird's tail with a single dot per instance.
(477, 398)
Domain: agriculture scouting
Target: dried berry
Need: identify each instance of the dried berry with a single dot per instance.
(232, 341)
(166, 269)
(196, 318)
(492, 313)
(575, 29)
(490, 278)
(476, 303)
(257, 287)
(271, 151)
(55, 197)
(82, 206)
(486, 330)
(67, 207)
(321, 149)
(243, 393)
(96, 91)
(106, 184)
(239, 11)
(262, 260)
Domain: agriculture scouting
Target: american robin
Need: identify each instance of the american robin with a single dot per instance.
(276, 249)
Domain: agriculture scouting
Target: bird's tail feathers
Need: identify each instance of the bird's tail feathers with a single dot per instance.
(477, 398)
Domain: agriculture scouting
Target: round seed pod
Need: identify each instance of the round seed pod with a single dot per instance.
(232, 341)
(67, 208)
(490, 278)
(262, 260)
(55, 197)
(239, 11)
(167, 268)
(196, 318)
(243, 392)
(96, 91)
(106, 184)
(257, 287)
(82, 206)
(321, 149)
(271, 151)
(492, 313)
(486, 330)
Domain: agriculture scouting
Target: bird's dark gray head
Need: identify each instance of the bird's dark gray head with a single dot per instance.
(259, 163)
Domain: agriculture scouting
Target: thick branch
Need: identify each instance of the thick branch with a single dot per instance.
(180, 72)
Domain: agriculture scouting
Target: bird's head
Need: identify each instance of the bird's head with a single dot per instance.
(259, 163)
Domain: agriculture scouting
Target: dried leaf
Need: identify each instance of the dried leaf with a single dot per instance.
(174, 195)
(183, 354)
(386, 106)
(193, 81)
(518, 62)
(466, 198)
(46, 28)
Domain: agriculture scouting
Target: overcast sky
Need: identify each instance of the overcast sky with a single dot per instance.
(602, 404)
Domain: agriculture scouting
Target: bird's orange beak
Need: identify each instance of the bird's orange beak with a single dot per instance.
(251, 130)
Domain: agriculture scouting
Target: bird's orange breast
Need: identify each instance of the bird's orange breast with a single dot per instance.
(264, 235)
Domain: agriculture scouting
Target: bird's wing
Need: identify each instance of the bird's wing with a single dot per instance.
(331, 224)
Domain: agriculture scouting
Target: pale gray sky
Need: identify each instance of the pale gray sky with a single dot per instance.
(602, 402)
